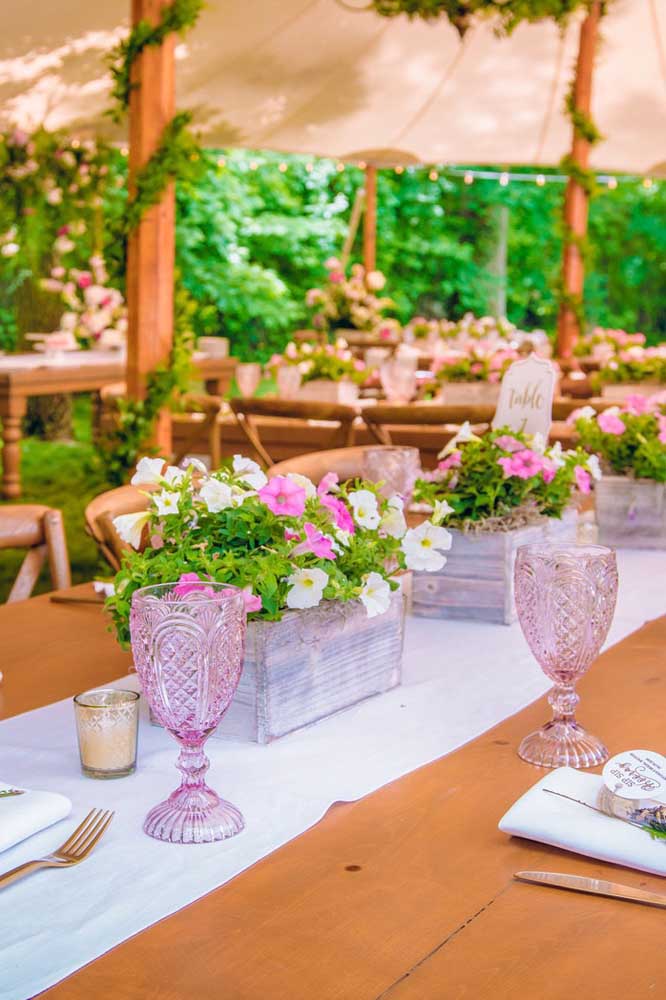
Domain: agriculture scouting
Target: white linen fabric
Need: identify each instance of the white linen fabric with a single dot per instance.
(23, 815)
(561, 823)
(459, 679)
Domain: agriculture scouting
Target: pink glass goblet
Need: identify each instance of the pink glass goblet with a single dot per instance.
(565, 596)
(396, 468)
(188, 641)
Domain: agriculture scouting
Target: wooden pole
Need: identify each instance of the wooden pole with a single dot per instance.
(151, 247)
(576, 198)
(370, 220)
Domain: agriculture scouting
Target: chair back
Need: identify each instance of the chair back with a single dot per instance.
(346, 462)
(255, 415)
(99, 515)
(379, 419)
(41, 531)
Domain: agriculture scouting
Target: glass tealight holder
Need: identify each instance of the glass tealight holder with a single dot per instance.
(107, 725)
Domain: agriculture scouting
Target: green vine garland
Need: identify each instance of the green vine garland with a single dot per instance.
(178, 157)
(507, 14)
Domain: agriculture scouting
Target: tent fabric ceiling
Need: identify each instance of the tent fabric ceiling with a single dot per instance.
(308, 76)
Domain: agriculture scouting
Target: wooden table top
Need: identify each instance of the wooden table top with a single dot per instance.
(406, 894)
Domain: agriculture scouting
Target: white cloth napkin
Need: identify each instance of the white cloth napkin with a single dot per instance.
(28, 813)
(560, 823)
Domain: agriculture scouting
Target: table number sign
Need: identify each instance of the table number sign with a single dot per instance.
(526, 397)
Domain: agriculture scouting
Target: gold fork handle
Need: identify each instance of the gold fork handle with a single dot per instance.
(16, 873)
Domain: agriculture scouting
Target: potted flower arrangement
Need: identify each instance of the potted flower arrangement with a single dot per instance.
(329, 372)
(633, 371)
(95, 314)
(473, 375)
(497, 492)
(317, 565)
(350, 301)
(631, 498)
(601, 344)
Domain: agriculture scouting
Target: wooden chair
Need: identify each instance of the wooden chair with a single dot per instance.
(195, 422)
(247, 410)
(99, 515)
(379, 419)
(347, 462)
(40, 530)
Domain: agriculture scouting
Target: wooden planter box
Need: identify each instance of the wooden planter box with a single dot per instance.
(477, 582)
(631, 513)
(313, 664)
(470, 393)
(322, 390)
(617, 392)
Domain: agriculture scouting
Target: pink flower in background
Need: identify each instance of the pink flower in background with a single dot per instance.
(385, 333)
(312, 296)
(508, 443)
(359, 365)
(336, 277)
(19, 137)
(610, 423)
(476, 368)
(452, 461)
(548, 471)
(332, 264)
(85, 279)
(327, 483)
(291, 536)
(252, 601)
(662, 429)
(341, 516)
(523, 464)
(190, 583)
(63, 231)
(283, 497)
(583, 479)
(637, 405)
(315, 542)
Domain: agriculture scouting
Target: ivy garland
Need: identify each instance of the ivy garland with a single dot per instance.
(178, 157)
(507, 14)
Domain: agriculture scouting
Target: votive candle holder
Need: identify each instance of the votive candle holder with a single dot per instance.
(107, 725)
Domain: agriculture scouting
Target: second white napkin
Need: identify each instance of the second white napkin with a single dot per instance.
(27, 813)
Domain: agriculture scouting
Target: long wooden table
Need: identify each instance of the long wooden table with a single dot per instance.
(404, 895)
(22, 376)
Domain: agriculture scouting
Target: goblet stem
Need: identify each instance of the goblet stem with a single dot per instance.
(563, 700)
(192, 763)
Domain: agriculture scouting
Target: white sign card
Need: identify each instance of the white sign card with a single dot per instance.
(526, 397)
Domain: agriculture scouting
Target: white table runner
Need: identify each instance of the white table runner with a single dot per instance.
(459, 680)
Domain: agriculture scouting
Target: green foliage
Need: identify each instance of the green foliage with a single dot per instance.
(176, 18)
(639, 450)
(645, 368)
(331, 362)
(506, 14)
(477, 487)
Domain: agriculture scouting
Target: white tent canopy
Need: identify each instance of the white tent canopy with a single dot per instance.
(308, 76)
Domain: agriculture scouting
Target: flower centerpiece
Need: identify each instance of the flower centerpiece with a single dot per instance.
(635, 370)
(350, 301)
(95, 315)
(631, 442)
(497, 492)
(327, 371)
(601, 344)
(473, 375)
(317, 565)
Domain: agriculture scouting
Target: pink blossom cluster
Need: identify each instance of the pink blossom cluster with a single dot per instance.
(350, 300)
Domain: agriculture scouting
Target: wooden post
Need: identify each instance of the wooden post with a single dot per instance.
(576, 199)
(370, 219)
(151, 247)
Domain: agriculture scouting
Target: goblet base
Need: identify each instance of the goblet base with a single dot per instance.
(563, 743)
(193, 816)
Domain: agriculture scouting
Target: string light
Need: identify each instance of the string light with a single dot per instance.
(433, 175)
(222, 162)
(253, 164)
(340, 167)
(647, 182)
(282, 167)
(541, 180)
(75, 143)
(612, 183)
(123, 152)
(362, 164)
(469, 178)
(504, 180)
(309, 167)
(399, 169)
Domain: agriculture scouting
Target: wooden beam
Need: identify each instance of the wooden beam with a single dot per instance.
(151, 247)
(576, 199)
(370, 219)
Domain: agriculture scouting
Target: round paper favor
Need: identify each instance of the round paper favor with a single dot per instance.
(634, 787)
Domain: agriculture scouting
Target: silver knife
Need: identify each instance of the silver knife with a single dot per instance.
(596, 886)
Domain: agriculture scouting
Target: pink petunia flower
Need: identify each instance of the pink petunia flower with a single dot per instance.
(583, 479)
(315, 542)
(291, 536)
(190, 583)
(523, 464)
(341, 516)
(610, 423)
(327, 483)
(508, 443)
(548, 471)
(637, 405)
(84, 280)
(450, 462)
(336, 277)
(283, 497)
(252, 601)
(662, 429)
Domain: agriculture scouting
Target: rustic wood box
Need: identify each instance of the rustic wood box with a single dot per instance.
(618, 392)
(631, 513)
(322, 390)
(312, 664)
(477, 582)
(470, 393)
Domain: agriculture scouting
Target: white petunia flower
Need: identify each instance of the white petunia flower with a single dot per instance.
(594, 466)
(538, 443)
(249, 472)
(342, 537)
(464, 435)
(586, 413)
(307, 588)
(422, 545)
(148, 471)
(364, 505)
(442, 509)
(130, 526)
(166, 502)
(393, 521)
(556, 455)
(216, 495)
(376, 594)
(305, 484)
(174, 476)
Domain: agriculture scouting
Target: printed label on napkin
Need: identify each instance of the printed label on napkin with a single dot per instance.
(526, 397)
(637, 774)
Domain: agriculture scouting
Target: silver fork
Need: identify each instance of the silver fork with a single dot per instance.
(72, 852)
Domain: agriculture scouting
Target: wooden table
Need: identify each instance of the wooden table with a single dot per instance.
(18, 381)
(404, 895)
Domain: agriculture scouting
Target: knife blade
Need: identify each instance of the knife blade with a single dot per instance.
(594, 886)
